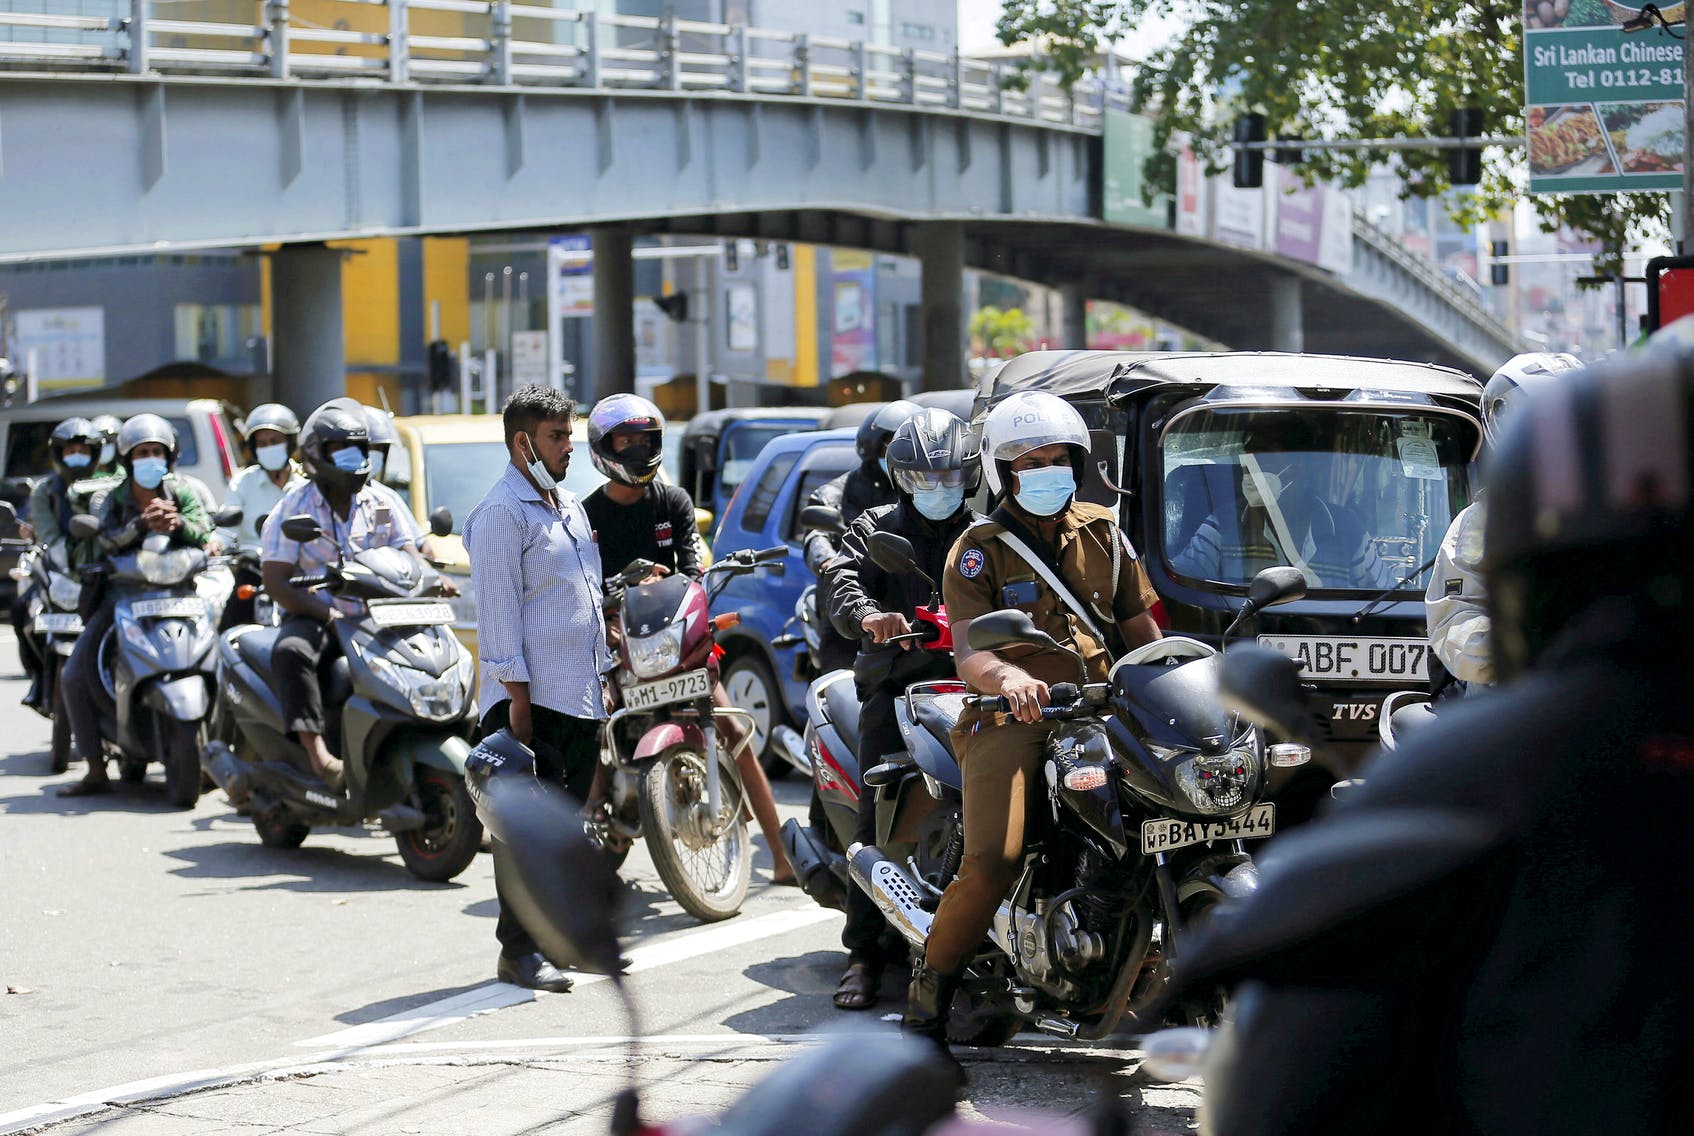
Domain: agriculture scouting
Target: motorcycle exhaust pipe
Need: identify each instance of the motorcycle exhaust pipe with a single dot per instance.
(820, 870)
(893, 890)
(792, 747)
(231, 774)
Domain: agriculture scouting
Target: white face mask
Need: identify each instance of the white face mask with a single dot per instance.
(537, 470)
(272, 458)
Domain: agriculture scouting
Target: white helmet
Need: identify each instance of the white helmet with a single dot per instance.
(1531, 369)
(1027, 421)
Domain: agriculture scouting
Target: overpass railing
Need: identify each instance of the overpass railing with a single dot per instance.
(502, 43)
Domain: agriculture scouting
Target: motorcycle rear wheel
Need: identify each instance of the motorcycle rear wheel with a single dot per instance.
(61, 751)
(448, 841)
(707, 876)
(277, 830)
(182, 763)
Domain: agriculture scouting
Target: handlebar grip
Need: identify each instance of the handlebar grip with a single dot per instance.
(990, 703)
(306, 581)
(774, 552)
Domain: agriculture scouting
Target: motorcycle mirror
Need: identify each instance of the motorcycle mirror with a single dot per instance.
(228, 517)
(301, 528)
(1263, 686)
(441, 522)
(893, 553)
(824, 518)
(83, 527)
(1007, 628)
(1278, 585)
(8, 515)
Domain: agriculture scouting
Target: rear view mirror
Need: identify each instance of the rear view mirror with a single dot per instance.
(893, 553)
(1278, 585)
(823, 518)
(83, 527)
(1263, 686)
(8, 515)
(441, 521)
(1006, 628)
(301, 528)
(228, 517)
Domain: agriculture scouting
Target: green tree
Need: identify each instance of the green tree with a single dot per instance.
(1001, 333)
(1315, 69)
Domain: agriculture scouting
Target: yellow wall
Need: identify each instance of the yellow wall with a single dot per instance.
(805, 265)
(446, 280)
(370, 313)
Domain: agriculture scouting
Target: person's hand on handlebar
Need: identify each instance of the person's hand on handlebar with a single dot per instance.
(1025, 696)
(658, 572)
(884, 625)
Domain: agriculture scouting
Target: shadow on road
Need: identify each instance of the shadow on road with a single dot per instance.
(375, 1010)
(43, 797)
(304, 869)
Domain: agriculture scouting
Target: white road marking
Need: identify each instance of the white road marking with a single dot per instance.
(499, 995)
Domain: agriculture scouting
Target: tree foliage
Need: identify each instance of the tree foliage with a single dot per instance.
(1001, 333)
(1320, 69)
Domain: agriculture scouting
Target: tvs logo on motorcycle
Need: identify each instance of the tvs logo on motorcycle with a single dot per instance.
(970, 564)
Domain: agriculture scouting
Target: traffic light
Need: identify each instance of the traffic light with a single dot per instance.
(1464, 164)
(443, 366)
(674, 305)
(1289, 152)
(1249, 172)
(1498, 271)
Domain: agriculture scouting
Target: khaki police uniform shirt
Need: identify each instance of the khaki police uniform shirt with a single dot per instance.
(984, 574)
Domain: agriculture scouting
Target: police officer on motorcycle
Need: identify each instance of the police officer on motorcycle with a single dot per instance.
(865, 486)
(1067, 565)
(1528, 972)
(71, 448)
(151, 499)
(932, 463)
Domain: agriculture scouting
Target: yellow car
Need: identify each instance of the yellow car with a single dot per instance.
(449, 461)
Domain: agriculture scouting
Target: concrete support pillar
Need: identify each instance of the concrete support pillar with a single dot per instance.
(614, 312)
(1288, 328)
(1073, 317)
(309, 348)
(941, 251)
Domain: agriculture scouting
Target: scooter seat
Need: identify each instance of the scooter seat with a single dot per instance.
(938, 713)
(255, 647)
(841, 700)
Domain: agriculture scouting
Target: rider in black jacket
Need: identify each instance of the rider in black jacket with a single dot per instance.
(1529, 972)
(932, 460)
(866, 486)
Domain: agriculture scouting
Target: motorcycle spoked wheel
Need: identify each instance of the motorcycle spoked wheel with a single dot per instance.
(180, 753)
(707, 873)
(452, 834)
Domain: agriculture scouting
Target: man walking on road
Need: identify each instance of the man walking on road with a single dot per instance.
(541, 635)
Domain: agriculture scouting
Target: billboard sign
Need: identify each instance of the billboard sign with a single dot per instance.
(1128, 144)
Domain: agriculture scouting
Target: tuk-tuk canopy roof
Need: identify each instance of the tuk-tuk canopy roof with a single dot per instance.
(712, 423)
(1118, 376)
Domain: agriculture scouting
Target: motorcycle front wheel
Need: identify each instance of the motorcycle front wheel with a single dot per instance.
(182, 762)
(707, 866)
(451, 835)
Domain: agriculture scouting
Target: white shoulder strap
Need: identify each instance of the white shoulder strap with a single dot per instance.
(1052, 580)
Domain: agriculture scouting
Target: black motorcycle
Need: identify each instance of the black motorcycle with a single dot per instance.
(1152, 789)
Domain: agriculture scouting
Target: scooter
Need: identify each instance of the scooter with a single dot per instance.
(399, 695)
(662, 783)
(157, 661)
(55, 626)
(909, 824)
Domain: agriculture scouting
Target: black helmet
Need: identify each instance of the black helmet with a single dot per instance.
(1591, 495)
(338, 420)
(107, 426)
(64, 434)
(636, 465)
(931, 449)
(147, 428)
(878, 427)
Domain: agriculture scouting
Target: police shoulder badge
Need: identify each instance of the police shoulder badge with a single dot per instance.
(970, 564)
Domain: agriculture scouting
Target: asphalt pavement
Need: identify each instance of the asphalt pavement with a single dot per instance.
(165, 973)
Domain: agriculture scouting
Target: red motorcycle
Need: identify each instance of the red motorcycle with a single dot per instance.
(669, 777)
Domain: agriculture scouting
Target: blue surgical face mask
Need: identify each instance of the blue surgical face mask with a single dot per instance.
(883, 462)
(939, 504)
(107, 452)
(348, 459)
(378, 460)
(272, 458)
(77, 461)
(1045, 492)
(149, 473)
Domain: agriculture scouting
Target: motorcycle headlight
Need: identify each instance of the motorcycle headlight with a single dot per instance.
(64, 592)
(437, 698)
(1214, 783)
(652, 655)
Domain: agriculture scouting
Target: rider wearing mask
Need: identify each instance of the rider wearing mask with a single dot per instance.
(1457, 602)
(106, 461)
(151, 499)
(1067, 565)
(271, 433)
(866, 486)
(933, 463)
(354, 516)
(71, 448)
(1529, 972)
(635, 516)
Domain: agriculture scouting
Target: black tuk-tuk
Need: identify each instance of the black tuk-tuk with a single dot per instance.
(1349, 469)
(719, 446)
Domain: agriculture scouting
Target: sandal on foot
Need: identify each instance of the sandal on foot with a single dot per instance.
(860, 986)
(87, 787)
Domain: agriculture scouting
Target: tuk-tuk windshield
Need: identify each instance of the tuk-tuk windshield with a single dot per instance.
(1355, 499)
(742, 442)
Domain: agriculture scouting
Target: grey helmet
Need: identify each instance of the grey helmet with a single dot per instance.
(69, 431)
(931, 449)
(338, 420)
(146, 428)
(107, 426)
(271, 416)
(878, 428)
(1516, 375)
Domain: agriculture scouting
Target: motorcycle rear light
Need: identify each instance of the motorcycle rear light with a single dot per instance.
(1287, 755)
(246, 592)
(726, 620)
(1085, 779)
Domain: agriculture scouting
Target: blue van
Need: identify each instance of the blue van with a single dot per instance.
(765, 511)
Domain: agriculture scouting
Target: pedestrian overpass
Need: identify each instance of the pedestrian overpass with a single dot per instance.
(153, 126)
